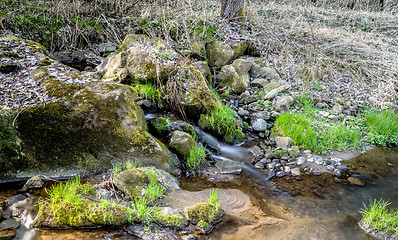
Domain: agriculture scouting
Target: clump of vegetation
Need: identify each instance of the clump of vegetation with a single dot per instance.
(10, 149)
(118, 167)
(154, 190)
(196, 158)
(376, 215)
(161, 124)
(150, 92)
(206, 214)
(66, 207)
(223, 122)
(317, 137)
(382, 128)
(167, 220)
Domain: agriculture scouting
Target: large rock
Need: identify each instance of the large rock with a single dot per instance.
(182, 143)
(203, 67)
(221, 54)
(265, 72)
(140, 58)
(72, 122)
(259, 124)
(231, 78)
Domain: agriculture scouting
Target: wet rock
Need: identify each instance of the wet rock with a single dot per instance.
(230, 167)
(296, 172)
(221, 54)
(131, 182)
(228, 76)
(259, 82)
(33, 182)
(259, 125)
(356, 181)
(8, 234)
(283, 142)
(280, 174)
(182, 143)
(256, 151)
(259, 165)
(286, 169)
(9, 224)
(301, 161)
(330, 168)
(319, 160)
(154, 233)
(283, 104)
(337, 172)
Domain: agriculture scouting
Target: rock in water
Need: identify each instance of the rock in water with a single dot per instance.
(229, 167)
(182, 143)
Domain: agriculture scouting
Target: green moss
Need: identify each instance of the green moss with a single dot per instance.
(131, 182)
(160, 124)
(167, 220)
(10, 144)
(85, 189)
(108, 213)
(206, 212)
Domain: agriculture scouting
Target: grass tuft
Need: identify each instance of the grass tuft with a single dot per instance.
(377, 216)
(196, 158)
(382, 128)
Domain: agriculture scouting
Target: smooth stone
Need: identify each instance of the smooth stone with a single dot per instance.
(301, 161)
(243, 113)
(259, 165)
(259, 125)
(295, 172)
(9, 224)
(106, 47)
(330, 168)
(280, 174)
(283, 104)
(263, 115)
(271, 86)
(229, 167)
(324, 114)
(356, 181)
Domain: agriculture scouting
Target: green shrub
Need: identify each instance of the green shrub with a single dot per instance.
(382, 128)
(380, 218)
(196, 158)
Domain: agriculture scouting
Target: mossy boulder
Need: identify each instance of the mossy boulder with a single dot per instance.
(140, 58)
(182, 143)
(204, 215)
(131, 182)
(160, 125)
(220, 54)
(73, 122)
(231, 78)
(84, 214)
(189, 91)
(168, 217)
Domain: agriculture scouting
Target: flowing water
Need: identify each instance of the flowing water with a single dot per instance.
(320, 207)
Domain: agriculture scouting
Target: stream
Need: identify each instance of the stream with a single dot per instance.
(323, 209)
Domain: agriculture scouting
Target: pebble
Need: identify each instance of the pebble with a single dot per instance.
(301, 161)
(295, 172)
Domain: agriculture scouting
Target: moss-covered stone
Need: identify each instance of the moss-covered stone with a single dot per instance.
(82, 125)
(160, 124)
(221, 54)
(206, 212)
(182, 143)
(168, 217)
(131, 182)
(107, 215)
(140, 58)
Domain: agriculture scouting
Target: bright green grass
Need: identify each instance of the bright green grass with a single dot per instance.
(150, 92)
(319, 137)
(222, 120)
(382, 128)
(379, 217)
(154, 190)
(196, 158)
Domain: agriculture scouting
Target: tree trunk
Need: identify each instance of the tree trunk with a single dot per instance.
(232, 9)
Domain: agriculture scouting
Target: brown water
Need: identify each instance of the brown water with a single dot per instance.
(318, 208)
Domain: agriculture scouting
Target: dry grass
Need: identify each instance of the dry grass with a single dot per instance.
(351, 52)
(347, 51)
